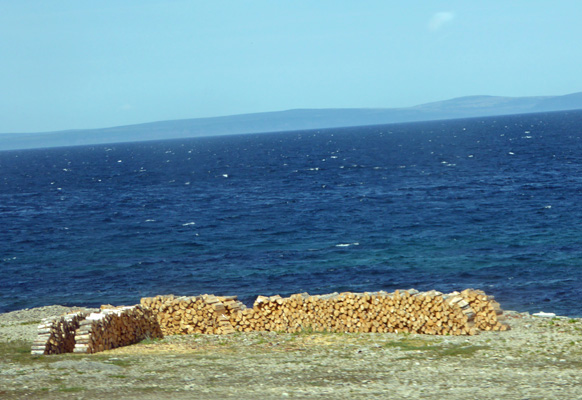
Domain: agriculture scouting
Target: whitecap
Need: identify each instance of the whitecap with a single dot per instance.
(548, 206)
(225, 175)
(189, 223)
(150, 220)
(347, 244)
(511, 153)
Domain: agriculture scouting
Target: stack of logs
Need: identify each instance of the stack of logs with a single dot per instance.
(433, 313)
(57, 335)
(486, 310)
(206, 314)
(115, 327)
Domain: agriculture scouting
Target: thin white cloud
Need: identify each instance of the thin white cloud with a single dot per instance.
(440, 19)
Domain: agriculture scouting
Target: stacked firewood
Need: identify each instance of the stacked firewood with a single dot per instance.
(115, 327)
(486, 309)
(206, 314)
(57, 335)
(402, 311)
(432, 313)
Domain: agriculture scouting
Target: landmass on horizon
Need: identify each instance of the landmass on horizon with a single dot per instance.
(292, 120)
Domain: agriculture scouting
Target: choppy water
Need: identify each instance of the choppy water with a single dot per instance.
(488, 203)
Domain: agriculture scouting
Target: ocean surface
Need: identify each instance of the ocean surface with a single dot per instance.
(487, 203)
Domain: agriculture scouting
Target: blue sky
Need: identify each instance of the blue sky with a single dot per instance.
(92, 64)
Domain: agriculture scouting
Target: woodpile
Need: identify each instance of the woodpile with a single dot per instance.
(486, 309)
(411, 311)
(115, 327)
(431, 313)
(402, 311)
(57, 335)
(207, 314)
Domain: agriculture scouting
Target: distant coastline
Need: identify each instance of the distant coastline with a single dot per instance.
(294, 120)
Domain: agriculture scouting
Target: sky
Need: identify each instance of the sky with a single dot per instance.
(72, 64)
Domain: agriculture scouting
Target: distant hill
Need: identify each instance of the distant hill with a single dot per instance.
(300, 119)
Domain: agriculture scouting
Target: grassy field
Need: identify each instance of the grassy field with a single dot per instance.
(537, 359)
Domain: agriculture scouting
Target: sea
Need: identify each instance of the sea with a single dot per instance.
(489, 203)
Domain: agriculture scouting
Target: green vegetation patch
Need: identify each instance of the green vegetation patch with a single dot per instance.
(149, 340)
(411, 344)
(308, 330)
(462, 351)
(105, 358)
(31, 323)
(17, 352)
(70, 389)
(434, 349)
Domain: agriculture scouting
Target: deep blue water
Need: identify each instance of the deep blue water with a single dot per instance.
(487, 203)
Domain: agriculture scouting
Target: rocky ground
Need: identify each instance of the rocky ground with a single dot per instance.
(540, 358)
